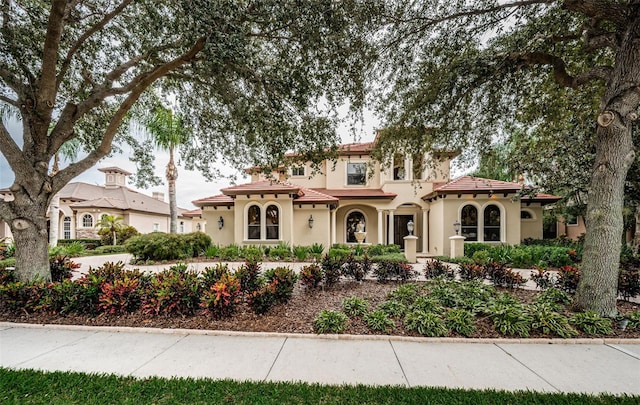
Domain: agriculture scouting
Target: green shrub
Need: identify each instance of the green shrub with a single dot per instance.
(470, 248)
(393, 308)
(543, 278)
(158, 246)
(436, 268)
(222, 298)
(460, 321)
(381, 250)
(316, 250)
(280, 252)
(301, 253)
(426, 304)
(87, 243)
(212, 251)
(634, 320)
(355, 306)
(405, 294)
(14, 297)
(510, 319)
(339, 253)
(501, 276)
(175, 291)
(330, 322)
(101, 250)
(545, 319)
(197, 243)
(379, 321)
(252, 253)
(10, 262)
(555, 297)
(248, 275)
(425, 323)
(481, 256)
(74, 249)
(389, 257)
(230, 253)
(311, 276)
(284, 280)
(591, 323)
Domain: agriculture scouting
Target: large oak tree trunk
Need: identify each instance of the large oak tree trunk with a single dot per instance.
(32, 247)
(615, 153)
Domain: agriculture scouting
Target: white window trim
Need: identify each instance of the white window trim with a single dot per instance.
(481, 209)
(533, 215)
(304, 171)
(82, 220)
(366, 173)
(263, 222)
(366, 224)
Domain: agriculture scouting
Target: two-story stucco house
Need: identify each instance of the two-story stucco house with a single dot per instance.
(301, 208)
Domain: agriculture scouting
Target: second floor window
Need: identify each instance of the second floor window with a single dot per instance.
(356, 174)
(297, 171)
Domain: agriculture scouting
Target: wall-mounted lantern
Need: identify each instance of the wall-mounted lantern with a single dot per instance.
(220, 222)
(311, 221)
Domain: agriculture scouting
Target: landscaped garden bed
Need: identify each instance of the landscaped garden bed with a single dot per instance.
(329, 297)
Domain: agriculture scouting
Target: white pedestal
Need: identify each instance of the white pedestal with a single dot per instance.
(457, 246)
(410, 243)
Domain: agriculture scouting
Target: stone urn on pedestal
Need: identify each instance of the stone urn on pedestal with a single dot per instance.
(360, 234)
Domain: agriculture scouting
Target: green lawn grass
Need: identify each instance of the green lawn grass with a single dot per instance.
(35, 387)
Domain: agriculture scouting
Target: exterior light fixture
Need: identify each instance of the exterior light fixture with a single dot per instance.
(456, 227)
(311, 221)
(410, 226)
(220, 222)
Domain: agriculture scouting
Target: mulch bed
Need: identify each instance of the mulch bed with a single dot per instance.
(294, 317)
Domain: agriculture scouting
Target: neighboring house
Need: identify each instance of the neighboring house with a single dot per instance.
(82, 205)
(302, 208)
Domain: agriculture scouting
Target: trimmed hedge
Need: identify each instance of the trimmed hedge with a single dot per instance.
(163, 246)
(88, 244)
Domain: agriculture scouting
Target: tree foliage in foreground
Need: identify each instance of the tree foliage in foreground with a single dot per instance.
(558, 73)
(248, 75)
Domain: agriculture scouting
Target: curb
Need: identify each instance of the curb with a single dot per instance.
(205, 332)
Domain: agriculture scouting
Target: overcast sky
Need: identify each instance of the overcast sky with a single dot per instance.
(191, 185)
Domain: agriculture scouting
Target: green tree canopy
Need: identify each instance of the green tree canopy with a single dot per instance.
(464, 74)
(248, 76)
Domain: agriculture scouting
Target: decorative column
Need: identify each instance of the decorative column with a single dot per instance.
(333, 227)
(380, 227)
(425, 230)
(390, 240)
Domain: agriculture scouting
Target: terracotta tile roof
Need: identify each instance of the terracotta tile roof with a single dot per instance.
(262, 186)
(479, 185)
(193, 213)
(311, 196)
(356, 148)
(214, 200)
(357, 193)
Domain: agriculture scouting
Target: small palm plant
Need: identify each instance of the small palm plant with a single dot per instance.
(111, 222)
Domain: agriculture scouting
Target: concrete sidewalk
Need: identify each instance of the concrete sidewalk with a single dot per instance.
(589, 366)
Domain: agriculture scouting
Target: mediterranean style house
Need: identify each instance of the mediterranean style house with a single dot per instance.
(301, 207)
(81, 206)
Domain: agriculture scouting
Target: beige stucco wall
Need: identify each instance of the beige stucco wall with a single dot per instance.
(371, 219)
(531, 228)
(445, 211)
(242, 203)
(337, 178)
(224, 236)
(319, 180)
(321, 231)
(571, 231)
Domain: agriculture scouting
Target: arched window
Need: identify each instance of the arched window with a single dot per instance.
(526, 215)
(253, 222)
(198, 227)
(272, 222)
(492, 223)
(66, 228)
(181, 226)
(87, 221)
(353, 219)
(469, 221)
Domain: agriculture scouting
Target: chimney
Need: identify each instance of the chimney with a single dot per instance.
(114, 177)
(158, 195)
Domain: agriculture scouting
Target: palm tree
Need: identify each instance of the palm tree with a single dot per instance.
(111, 222)
(168, 131)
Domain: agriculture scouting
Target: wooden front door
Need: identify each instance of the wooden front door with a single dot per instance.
(400, 228)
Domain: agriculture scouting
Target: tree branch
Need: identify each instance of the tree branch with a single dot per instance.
(430, 21)
(9, 101)
(11, 151)
(143, 82)
(601, 10)
(560, 74)
(47, 81)
(86, 35)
